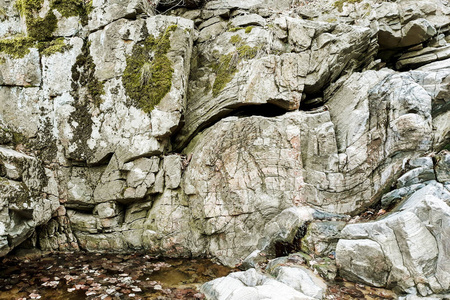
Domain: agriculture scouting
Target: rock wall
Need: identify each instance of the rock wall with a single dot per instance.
(224, 127)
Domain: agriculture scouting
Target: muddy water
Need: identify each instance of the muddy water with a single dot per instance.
(105, 276)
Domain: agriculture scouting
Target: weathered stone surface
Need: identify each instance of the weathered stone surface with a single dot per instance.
(172, 168)
(321, 237)
(22, 204)
(56, 79)
(24, 71)
(117, 125)
(442, 168)
(11, 23)
(249, 285)
(238, 178)
(174, 177)
(408, 247)
(366, 260)
(301, 279)
(263, 70)
(105, 12)
(357, 110)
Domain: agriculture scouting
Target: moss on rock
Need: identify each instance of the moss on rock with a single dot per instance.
(83, 76)
(16, 47)
(148, 75)
(40, 30)
(226, 67)
(54, 46)
(69, 8)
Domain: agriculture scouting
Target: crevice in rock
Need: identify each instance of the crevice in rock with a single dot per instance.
(264, 110)
(283, 248)
(164, 6)
(312, 101)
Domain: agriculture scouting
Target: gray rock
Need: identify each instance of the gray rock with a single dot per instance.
(248, 20)
(442, 168)
(362, 260)
(301, 279)
(416, 176)
(407, 248)
(23, 206)
(24, 71)
(249, 285)
(172, 168)
(56, 80)
(321, 237)
(105, 12)
(399, 194)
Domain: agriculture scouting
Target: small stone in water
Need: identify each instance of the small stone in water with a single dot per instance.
(90, 293)
(35, 296)
(157, 287)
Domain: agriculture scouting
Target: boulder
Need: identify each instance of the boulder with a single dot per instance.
(249, 285)
(408, 248)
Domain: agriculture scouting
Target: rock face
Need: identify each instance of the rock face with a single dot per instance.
(408, 248)
(27, 197)
(231, 129)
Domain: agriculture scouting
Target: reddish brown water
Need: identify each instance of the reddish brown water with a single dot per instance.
(105, 276)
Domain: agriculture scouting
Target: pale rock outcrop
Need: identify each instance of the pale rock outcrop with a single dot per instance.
(262, 69)
(117, 126)
(11, 23)
(26, 198)
(223, 164)
(105, 12)
(24, 71)
(250, 285)
(408, 247)
(56, 80)
(242, 178)
(301, 279)
(376, 115)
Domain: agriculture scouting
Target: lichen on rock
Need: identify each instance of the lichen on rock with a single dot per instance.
(148, 75)
(83, 76)
(226, 67)
(16, 47)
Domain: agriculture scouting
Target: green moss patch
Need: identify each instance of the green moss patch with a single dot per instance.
(40, 30)
(249, 29)
(69, 8)
(148, 75)
(226, 67)
(16, 47)
(83, 75)
(54, 46)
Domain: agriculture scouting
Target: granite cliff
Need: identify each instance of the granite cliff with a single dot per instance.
(234, 130)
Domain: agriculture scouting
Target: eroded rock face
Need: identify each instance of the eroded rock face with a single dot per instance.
(407, 248)
(225, 128)
(25, 198)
